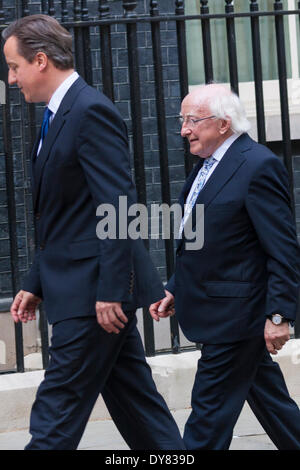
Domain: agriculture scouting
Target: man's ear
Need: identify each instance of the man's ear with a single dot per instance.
(225, 125)
(41, 60)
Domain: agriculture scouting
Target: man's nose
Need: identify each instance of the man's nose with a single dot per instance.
(11, 77)
(185, 130)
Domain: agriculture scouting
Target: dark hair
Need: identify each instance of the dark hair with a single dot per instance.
(42, 33)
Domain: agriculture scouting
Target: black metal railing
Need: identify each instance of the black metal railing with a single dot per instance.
(97, 23)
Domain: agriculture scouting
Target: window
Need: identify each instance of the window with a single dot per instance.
(245, 60)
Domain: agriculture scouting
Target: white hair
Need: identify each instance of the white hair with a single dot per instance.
(224, 104)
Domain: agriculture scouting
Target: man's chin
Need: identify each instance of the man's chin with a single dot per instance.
(26, 97)
(193, 152)
(194, 148)
(197, 154)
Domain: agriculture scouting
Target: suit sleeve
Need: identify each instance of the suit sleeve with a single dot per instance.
(268, 205)
(103, 154)
(170, 286)
(32, 282)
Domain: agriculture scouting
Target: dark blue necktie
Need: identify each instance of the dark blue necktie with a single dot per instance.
(45, 124)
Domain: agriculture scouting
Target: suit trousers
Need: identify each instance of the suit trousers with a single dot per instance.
(227, 376)
(86, 361)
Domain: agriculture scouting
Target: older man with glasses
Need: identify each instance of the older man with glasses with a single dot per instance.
(238, 294)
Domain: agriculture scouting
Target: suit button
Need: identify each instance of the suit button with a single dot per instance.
(42, 246)
(37, 216)
(131, 283)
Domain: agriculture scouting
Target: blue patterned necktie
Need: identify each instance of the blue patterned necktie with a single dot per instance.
(201, 178)
(45, 123)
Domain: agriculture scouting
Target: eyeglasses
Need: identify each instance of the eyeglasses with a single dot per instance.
(190, 121)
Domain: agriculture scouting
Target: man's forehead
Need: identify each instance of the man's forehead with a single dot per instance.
(193, 110)
(11, 46)
(11, 41)
(11, 52)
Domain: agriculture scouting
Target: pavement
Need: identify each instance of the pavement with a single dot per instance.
(103, 435)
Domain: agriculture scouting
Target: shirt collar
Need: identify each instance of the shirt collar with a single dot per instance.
(220, 152)
(60, 92)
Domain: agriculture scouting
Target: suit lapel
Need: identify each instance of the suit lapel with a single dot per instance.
(55, 128)
(227, 167)
(224, 171)
(33, 157)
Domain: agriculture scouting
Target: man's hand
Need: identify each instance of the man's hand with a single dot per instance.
(111, 316)
(276, 335)
(163, 308)
(24, 306)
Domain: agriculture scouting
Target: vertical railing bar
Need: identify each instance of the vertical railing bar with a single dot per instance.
(78, 40)
(84, 11)
(11, 207)
(31, 240)
(183, 73)
(182, 55)
(136, 116)
(163, 154)
(231, 41)
(206, 39)
(51, 8)
(86, 44)
(82, 42)
(106, 52)
(138, 145)
(64, 11)
(31, 110)
(24, 8)
(283, 92)
(44, 7)
(258, 77)
(32, 135)
(76, 10)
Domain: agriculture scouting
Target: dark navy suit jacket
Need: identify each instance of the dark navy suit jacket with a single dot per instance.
(84, 162)
(249, 265)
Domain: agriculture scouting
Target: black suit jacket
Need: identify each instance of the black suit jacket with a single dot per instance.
(84, 162)
(249, 266)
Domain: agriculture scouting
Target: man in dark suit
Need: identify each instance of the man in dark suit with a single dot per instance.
(239, 292)
(90, 287)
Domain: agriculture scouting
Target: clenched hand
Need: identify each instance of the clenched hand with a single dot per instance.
(163, 308)
(111, 316)
(276, 336)
(24, 306)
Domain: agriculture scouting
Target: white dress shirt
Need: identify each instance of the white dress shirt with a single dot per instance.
(58, 96)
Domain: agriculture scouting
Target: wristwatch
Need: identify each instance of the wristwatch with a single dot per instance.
(277, 319)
